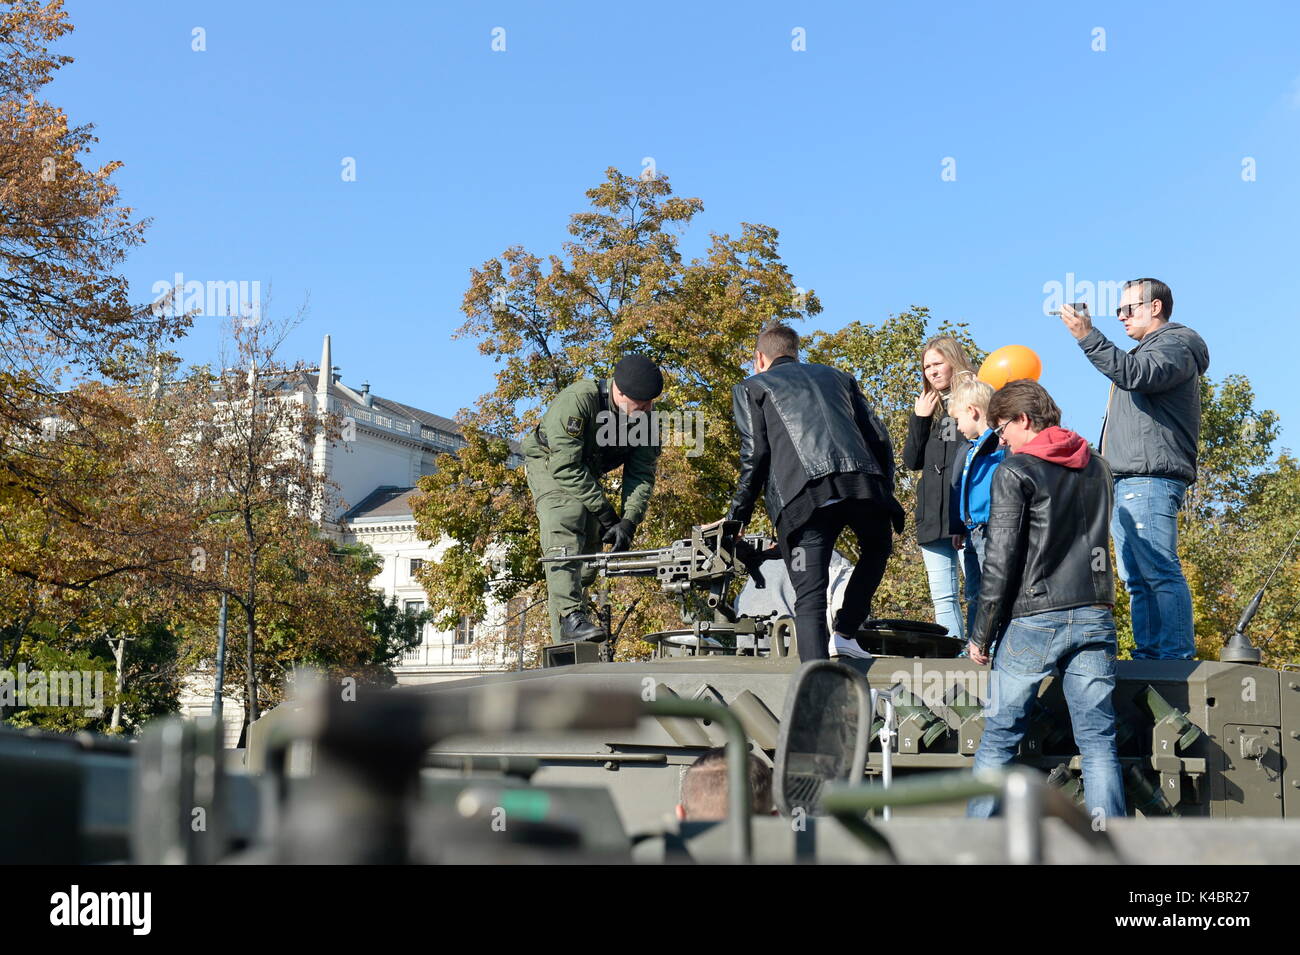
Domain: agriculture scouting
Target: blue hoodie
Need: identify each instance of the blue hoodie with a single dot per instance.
(971, 489)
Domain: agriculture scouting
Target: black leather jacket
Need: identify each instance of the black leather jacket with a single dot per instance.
(799, 422)
(1046, 543)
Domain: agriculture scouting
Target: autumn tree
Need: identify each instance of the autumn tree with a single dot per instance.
(64, 316)
(234, 453)
(132, 495)
(64, 307)
(1237, 521)
(62, 232)
(213, 489)
(79, 554)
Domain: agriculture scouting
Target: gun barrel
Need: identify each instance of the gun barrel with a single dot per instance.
(604, 556)
(642, 568)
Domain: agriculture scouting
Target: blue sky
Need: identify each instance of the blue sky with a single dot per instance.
(1101, 164)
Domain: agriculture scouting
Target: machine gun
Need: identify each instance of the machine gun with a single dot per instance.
(706, 562)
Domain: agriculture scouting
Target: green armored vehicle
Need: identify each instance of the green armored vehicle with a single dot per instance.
(1205, 740)
(582, 760)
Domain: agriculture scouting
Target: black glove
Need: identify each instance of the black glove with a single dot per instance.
(897, 516)
(753, 559)
(607, 518)
(619, 537)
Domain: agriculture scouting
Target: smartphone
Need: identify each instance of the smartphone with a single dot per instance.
(1080, 308)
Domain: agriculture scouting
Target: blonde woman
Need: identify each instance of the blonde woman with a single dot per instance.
(934, 447)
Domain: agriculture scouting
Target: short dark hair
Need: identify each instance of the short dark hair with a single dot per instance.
(1154, 290)
(778, 340)
(1025, 396)
(704, 787)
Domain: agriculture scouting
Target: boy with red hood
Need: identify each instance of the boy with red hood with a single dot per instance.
(1048, 590)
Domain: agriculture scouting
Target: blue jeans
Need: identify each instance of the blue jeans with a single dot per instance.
(1145, 528)
(941, 567)
(1080, 643)
(973, 564)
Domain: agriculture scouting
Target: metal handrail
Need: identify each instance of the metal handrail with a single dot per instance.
(887, 733)
(1026, 799)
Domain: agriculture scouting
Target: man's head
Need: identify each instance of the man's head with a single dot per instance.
(637, 383)
(968, 402)
(704, 788)
(1019, 410)
(775, 341)
(1144, 306)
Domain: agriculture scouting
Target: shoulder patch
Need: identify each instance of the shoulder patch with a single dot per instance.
(573, 426)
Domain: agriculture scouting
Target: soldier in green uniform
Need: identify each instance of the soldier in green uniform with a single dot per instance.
(591, 428)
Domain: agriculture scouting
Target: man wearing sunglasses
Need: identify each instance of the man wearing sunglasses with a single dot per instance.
(1150, 437)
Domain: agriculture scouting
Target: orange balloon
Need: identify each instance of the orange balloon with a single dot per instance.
(1009, 363)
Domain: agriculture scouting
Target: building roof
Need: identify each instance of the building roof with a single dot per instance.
(394, 407)
(426, 418)
(383, 503)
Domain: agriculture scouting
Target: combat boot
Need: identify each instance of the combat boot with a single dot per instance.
(576, 627)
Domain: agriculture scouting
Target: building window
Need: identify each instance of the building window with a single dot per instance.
(465, 631)
(442, 439)
(412, 654)
(417, 565)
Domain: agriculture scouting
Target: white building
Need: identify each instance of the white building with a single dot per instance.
(388, 447)
(384, 522)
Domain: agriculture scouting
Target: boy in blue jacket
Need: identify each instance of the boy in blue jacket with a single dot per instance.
(969, 403)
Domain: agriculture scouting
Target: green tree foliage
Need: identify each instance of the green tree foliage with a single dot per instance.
(1236, 523)
(94, 676)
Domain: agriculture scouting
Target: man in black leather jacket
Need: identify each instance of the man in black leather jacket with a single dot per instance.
(1048, 589)
(811, 445)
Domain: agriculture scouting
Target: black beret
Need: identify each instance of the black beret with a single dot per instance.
(638, 377)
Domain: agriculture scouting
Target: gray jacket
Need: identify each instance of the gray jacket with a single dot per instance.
(1153, 416)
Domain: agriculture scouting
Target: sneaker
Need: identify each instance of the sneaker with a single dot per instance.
(842, 646)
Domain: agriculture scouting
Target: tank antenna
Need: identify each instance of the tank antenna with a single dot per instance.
(1238, 648)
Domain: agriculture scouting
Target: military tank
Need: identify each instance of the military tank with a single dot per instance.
(1217, 741)
(1214, 739)
(582, 759)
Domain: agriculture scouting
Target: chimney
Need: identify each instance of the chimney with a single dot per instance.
(324, 378)
(322, 452)
(366, 397)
